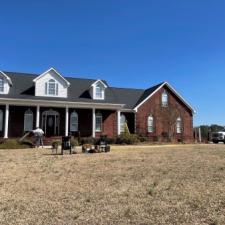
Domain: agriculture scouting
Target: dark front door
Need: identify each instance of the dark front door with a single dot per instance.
(50, 125)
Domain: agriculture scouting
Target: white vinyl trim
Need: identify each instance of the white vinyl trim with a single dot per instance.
(105, 86)
(7, 78)
(50, 103)
(173, 90)
(52, 69)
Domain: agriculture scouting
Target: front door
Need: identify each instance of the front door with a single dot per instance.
(50, 123)
(50, 126)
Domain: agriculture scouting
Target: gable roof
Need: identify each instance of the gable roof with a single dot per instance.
(56, 72)
(148, 93)
(6, 77)
(100, 81)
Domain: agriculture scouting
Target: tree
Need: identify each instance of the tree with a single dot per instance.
(168, 117)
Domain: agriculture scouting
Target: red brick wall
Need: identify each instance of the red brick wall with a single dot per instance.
(109, 126)
(151, 106)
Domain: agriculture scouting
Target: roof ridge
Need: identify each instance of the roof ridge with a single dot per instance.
(138, 89)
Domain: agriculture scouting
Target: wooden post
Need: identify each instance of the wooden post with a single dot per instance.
(200, 134)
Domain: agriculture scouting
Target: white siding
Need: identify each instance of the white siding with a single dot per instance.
(40, 85)
(6, 85)
(94, 96)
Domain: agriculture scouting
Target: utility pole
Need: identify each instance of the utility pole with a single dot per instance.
(200, 134)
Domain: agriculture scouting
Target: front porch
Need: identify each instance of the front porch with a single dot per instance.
(16, 120)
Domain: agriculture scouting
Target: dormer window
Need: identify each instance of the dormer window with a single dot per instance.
(1, 85)
(98, 90)
(51, 88)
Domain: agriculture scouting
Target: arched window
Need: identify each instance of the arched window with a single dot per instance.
(1, 119)
(74, 121)
(28, 120)
(98, 122)
(122, 122)
(164, 99)
(1, 85)
(51, 87)
(150, 124)
(179, 125)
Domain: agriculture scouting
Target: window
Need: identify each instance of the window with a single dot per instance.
(74, 121)
(28, 120)
(99, 92)
(150, 124)
(164, 99)
(179, 125)
(1, 85)
(98, 122)
(51, 87)
(1, 120)
(122, 123)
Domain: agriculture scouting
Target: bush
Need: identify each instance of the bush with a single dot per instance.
(56, 144)
(111, 140)
(15, 144)
(28, 143)
(89, 140)
(143, 139)
(128, 139)
(74, 142)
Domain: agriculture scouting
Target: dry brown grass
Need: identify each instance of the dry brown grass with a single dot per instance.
(149, 185)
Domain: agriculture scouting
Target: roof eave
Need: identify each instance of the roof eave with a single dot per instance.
(52, 69)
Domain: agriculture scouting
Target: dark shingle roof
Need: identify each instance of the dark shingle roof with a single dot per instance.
(23, 88)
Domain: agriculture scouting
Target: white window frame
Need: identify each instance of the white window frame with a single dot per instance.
(98, 122)
(150, 122)
(51, 88)
(74, 121)
(122, 123)
(28, 120)
(99, 92)
(164, 99)
(179, 129)
(1, 119)
(2, 85)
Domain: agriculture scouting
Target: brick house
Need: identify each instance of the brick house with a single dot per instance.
(65, 105)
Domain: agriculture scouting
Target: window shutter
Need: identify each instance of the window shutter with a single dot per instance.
(57, 89)
(1, 85)
(28, 120)
(46, 88)
(74, 121)
(1, 120)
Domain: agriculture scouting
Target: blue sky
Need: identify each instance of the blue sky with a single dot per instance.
(128, 43)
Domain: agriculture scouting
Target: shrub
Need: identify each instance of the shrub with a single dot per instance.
(111, 140)
(89, 140)
(74, 142)
(28, 143)
(143, 139)
(15, 144)
(56, 144)
(126, 138)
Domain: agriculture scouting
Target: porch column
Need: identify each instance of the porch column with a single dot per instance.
(93, 122)
(38, 116)
(6, 121)
(118, 122)
(67, 121)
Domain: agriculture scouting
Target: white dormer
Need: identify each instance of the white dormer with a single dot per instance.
(5, 83)
(98, 90)
(51, 84)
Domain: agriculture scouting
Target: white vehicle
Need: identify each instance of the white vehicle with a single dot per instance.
(218, 137)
